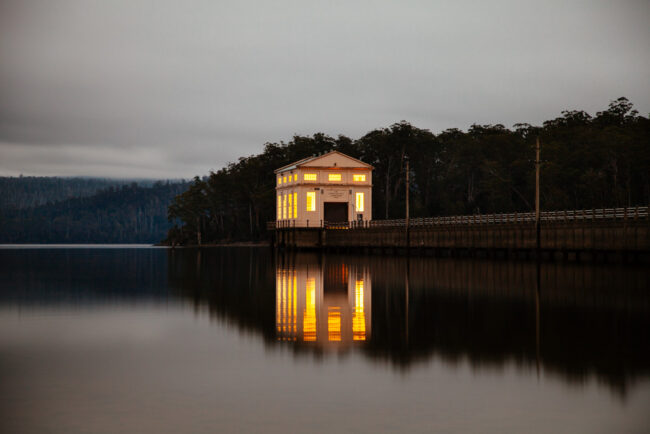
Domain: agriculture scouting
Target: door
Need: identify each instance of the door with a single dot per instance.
(335, 212)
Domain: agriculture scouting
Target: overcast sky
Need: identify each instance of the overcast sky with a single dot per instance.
(176, 88)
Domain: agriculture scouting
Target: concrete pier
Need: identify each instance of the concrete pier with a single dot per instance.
(569, 235)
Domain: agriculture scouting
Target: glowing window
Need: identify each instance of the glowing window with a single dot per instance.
(279, 207)
(359, 178)
(284, 206)
(310, 177)
(334, 177)
(295, 177)
(359, 202)
(295, 205)
(311, 201)
(290, 208)
(279, 180)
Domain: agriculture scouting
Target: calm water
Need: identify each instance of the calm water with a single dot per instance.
(99, 340)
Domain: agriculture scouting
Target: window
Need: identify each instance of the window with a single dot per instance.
(295, 205)
(311, 201)
(310, 177)
(279, 180)
(290, 208)
(284, 179)
(359, 178)
(359, 202)
(295, 177)
(284, 206)
(279, 207)
(334, 177)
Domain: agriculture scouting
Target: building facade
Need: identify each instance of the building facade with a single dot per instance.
(328, 188)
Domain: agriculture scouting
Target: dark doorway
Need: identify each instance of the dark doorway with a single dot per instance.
(336, 212)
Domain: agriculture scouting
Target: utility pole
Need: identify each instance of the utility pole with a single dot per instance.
(537, 214)
(407, 193)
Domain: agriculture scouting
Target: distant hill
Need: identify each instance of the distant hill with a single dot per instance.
(29, 191)
(127, 213)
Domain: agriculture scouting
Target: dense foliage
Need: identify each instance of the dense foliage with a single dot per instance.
(124, 214)
(29, 191)
(589, 162)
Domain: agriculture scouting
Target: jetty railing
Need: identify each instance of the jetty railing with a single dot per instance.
(633, 213)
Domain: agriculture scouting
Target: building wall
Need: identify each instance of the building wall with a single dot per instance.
(316, 180)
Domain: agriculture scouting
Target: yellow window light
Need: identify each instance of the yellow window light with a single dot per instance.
(284, 206)
(359, 178)
(279, 207)
(334, 177)
(290, 205)
(284, 179)
(295, 205)
(295, 177)
(311, 201)
(359, 202)
(310, 177)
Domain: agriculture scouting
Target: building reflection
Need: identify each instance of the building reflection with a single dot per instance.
(575, 320)
(323, 304)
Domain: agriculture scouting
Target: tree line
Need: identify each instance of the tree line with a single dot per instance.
(118, 214)
(588, 162)
(29, 191)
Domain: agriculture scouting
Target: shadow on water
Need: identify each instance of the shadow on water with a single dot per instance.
(82, 276)
(572, 320)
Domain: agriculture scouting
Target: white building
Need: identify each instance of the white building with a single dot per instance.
(332, 187)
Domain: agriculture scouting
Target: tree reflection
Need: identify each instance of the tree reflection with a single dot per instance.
(566, 319)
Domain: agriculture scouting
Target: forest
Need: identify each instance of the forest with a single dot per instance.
(29, 191)
(123, 213)
(587, 162)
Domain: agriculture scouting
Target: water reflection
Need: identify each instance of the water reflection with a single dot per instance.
(228, 339)
(566, 319)
(326, 304)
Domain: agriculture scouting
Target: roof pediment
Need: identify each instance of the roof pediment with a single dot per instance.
(329, 160)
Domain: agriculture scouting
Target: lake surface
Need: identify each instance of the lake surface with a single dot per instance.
(106, 340)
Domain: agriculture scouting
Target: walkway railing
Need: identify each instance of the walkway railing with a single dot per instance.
(632, 213)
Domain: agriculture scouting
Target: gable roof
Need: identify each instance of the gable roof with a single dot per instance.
(325, 161)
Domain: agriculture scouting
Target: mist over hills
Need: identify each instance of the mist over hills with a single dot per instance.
(28, 191)
(85, 210)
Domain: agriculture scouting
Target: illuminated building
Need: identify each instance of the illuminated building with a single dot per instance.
(332, 187)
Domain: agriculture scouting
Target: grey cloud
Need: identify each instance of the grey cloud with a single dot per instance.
(124, 88)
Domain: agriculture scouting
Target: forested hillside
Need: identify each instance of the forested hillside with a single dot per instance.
(125, 214)
(589, 162)
(29, 191)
